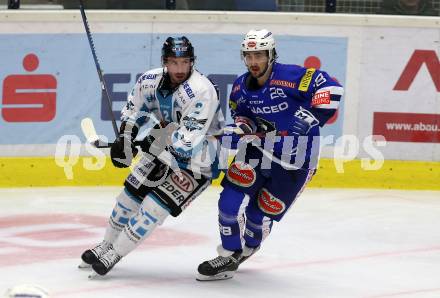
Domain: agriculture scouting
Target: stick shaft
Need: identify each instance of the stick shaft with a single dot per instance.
(98, 67)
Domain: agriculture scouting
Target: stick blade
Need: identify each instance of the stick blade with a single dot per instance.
(89, 131)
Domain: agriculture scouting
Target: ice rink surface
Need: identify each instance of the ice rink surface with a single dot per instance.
(332, 243)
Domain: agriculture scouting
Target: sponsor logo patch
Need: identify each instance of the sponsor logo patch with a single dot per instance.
(270, 109)
(282, 83)
(232, 105)
(321, 98)
(185, 182)
(236, 89)
(173, 192)
(251, 44)
(241, 174)
(133, 181)
(149, 76)
(188, 90)
(269, 204)
(306, 79)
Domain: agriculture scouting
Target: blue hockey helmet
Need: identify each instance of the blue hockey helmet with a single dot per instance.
(177, 47)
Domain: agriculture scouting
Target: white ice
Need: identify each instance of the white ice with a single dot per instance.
(332, 243)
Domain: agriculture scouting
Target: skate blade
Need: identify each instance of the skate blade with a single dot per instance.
(93, 275)
(84, 265)
(220, 276)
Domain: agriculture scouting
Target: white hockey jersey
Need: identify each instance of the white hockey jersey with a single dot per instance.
(193, 107)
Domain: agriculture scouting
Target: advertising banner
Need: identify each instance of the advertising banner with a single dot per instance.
(407, 127)
(400, 91)
(49, 81)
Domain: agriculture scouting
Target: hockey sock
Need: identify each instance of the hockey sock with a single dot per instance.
(231, 217)
(126, 206)
(255, 233)
(140, 225)
(230, 232)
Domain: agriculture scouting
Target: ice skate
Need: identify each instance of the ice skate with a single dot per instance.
(106, 262)
(219, 268)
(224, 267)
(92, 256)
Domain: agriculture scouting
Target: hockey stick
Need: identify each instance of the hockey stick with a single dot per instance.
(98, 67)
(88, 129)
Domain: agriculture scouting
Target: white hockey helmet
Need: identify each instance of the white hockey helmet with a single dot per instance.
(259, 40)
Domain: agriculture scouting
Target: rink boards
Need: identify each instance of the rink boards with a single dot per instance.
(43, 171)
(49, 84)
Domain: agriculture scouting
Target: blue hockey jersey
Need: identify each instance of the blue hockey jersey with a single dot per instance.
(290, 90)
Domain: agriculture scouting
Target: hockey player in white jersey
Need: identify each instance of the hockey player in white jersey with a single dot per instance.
(180, 106)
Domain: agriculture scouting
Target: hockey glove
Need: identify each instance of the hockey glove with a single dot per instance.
(303, 122)
(157, 138)
(241, 126)
(122, 150)
(234, 133)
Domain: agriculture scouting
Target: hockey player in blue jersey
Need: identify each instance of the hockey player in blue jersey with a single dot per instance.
(289, 103)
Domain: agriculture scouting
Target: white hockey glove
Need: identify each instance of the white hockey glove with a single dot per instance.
(241, 126)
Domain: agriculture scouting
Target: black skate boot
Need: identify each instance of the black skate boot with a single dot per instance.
(106, 261)
(224, 267)
(91, 256)
(219, 268)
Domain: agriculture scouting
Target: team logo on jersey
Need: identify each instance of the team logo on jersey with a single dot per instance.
(270, 204)
(282, 83)
(184, 182)
(188, 90)
(241, 174)
(129, 106)
(306, 79)
(192, 123)
(321, 98)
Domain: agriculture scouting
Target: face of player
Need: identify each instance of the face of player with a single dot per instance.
(179, 69)
(256, 62)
